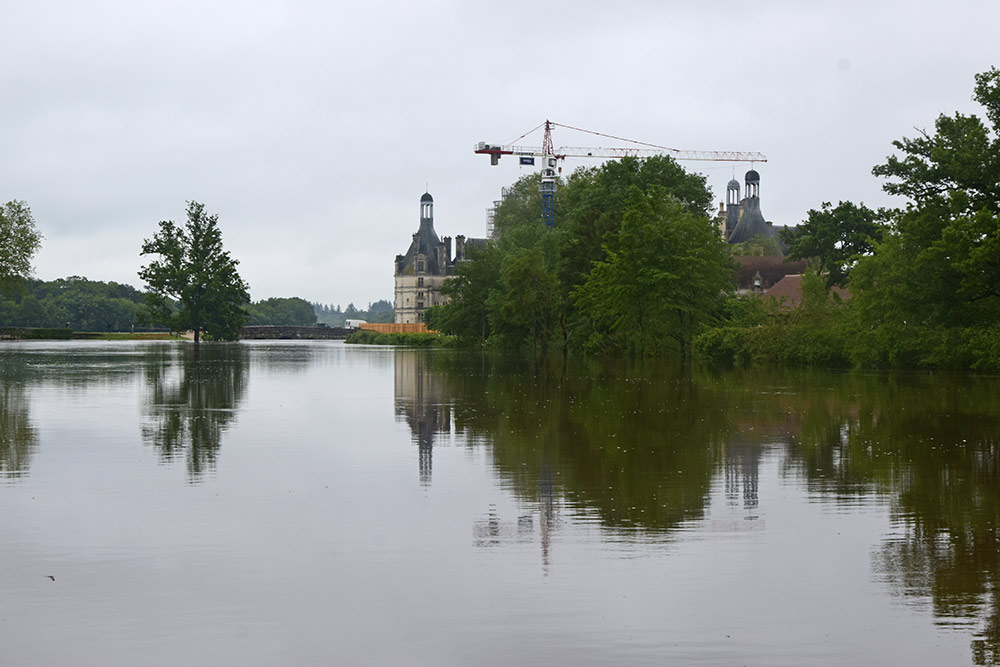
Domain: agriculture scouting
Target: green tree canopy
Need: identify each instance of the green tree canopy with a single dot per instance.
(194, 272)
(940, 264)
(467, 314)
(595, 201)
(19, 241)
(517, 292)
(665, 277)
(282, 311)
(835, 237)
(77, 303)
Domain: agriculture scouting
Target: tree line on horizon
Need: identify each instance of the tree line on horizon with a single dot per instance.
(81, 304)
(192, 283)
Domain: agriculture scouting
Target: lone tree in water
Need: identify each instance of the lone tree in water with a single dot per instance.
(19, 241)
(194, 284)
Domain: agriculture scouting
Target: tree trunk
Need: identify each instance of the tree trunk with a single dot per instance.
(197, 335)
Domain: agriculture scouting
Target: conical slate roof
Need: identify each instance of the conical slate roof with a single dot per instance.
(751, 223)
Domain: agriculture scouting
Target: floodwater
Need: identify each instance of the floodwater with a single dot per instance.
(318, 504)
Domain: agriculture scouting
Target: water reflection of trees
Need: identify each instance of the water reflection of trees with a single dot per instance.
(930, 446)
(632, 452)
(18, 437)
(637, 449)
(191, 401)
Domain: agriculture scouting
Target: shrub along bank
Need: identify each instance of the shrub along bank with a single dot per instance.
(365, 337)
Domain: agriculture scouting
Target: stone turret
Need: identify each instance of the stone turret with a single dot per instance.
(751, 220)
(732, 206)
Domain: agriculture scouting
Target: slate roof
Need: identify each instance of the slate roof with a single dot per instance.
(751, 223)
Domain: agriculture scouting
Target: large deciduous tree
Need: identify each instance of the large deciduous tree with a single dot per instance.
(19, 241)
(835, 237)
(940, 264)
(664, 277)
(194, 283)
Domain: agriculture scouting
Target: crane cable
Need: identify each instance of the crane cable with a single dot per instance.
(611, 136)
(514, 141)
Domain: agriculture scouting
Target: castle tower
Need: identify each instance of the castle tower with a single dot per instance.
(732, 206)
(421, 271)
(751, 222)
(427, 211)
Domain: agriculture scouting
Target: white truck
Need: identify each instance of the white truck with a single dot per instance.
(354, 324)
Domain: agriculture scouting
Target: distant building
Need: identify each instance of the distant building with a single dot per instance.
(425, 266)
(742, 220)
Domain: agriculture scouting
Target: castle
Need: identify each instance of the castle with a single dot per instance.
(741, 220)
(426, 265)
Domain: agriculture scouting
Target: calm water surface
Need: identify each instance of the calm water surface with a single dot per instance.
(316, 504)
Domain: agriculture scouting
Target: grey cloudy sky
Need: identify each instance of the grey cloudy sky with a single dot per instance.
(311, 128)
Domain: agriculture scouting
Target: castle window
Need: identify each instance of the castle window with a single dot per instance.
(420, 265)
(420, 281)
(420, 304)
(420, 295)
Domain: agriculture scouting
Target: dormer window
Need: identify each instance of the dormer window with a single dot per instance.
(420, 265)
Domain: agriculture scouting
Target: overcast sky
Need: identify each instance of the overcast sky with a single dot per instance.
(312, 128)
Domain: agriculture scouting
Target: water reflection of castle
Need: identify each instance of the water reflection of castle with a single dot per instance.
(741, 468)
(421, 400)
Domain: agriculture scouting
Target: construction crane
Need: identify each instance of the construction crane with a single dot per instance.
(550, 157)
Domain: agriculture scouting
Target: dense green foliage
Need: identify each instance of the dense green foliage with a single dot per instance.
(940, 264)
(925, 282)
(616, 274)
(75, 303)
(759, 331)
(366, 337)
(79, 304)
(277, 311)
(19, 241)
(330, 315)
(663, 277)
(194, 283)
(835, 237)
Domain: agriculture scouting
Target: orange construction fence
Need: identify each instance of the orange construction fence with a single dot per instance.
(388, 327)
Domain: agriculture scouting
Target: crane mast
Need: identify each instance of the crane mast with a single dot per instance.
(550, 158)
(549, 178)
